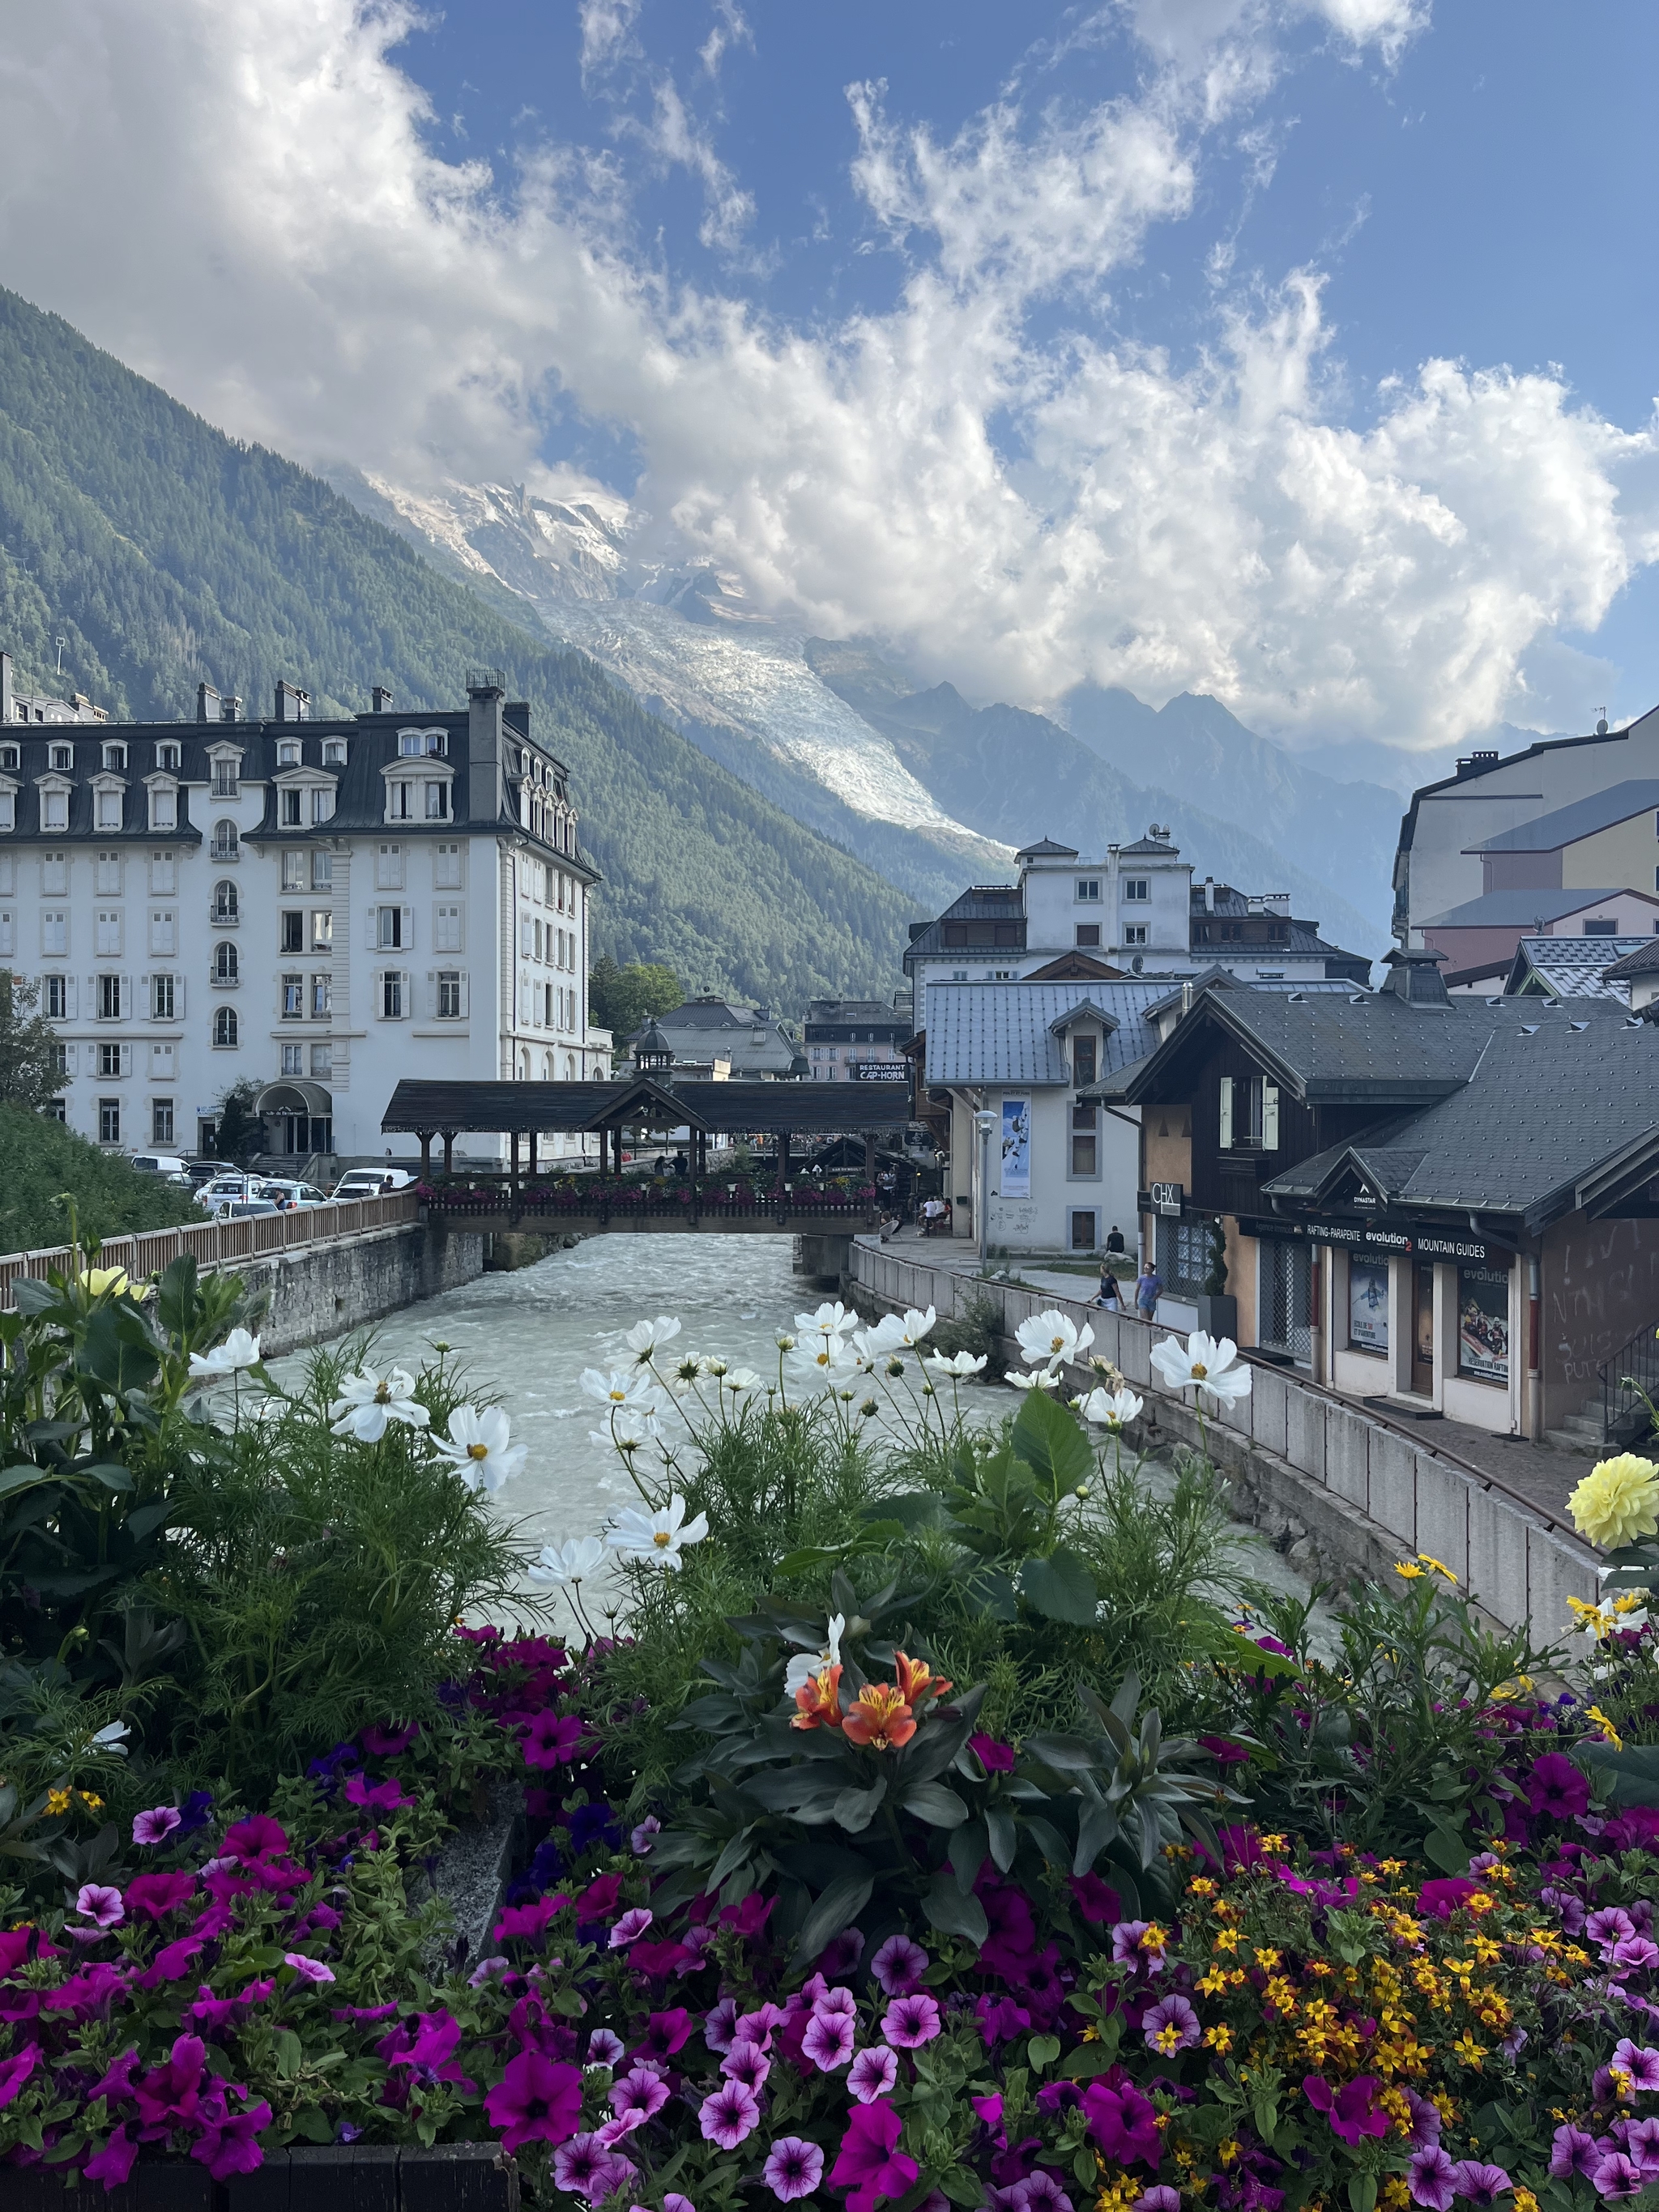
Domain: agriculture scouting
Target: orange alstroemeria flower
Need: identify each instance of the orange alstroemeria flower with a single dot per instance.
(917, 1679)
(819, 1700)
(880, 1719)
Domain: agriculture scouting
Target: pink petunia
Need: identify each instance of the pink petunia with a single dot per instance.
(728, 2115)
(156, 1825)
(869, 2165)
(748, 2064)
(794, 2168)
(99, 1903)
(874, 2072)
(908, 2022)
(536, 2101)
(605, 2049)
(632, 1925)
(899, 1965)
(308, 1969)
(827, 2041)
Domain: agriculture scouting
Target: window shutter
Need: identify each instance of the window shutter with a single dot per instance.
(71, 998)
(143, 992)
(406, 932)
(373, 929)
(126, 1059)
(463, 997)
(178, 998)
(69, 1060)
(431, 994)
(1226, 1141)
(1270, 1117)
(126, 998)
(525, 938)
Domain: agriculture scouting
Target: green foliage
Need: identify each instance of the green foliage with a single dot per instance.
(47, 1167)
(29, 1067)
(238, 1132)
(623, 999)
(165, 554)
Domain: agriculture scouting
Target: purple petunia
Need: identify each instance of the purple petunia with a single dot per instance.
(899, 1965)
(1472, 2178)
(873, 2074)
(605, 2049)
(1170, 2025)
(720, 2026)
(99, 1903)
(632, 1925)
(585, 2166)
(1616, 2175)
(641, 2090)
(827, 2041)
(1429, 2178)
(1640, 2061)
(156, 1825)
(748, 2064)
(1041, 2192)
(643, 1839)
(908, 2022)
(1160, 2199)
(794, 2168)
(309, 1969)
(1572, 2150)
(729, 2115)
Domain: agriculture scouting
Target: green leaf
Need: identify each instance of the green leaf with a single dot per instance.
(1446, 1849)
(1631, 1775)
(1043, 2050)
(932, 1801)
(21, 1478)
(1046, 1437)
(856, 1808)
(1062, 1588)
(996, 1595)
(953, 1914)
(1083, 2167)
(914, 1510)
(1362, 2192)
(968, 1849)
(842, 1901)
(1003, 1836)
(962, 2187)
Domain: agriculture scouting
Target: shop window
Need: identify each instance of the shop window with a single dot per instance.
(1483, 1324)
(1368, 1306)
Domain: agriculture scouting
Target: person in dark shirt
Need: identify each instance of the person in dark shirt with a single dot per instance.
(1109, 1296)
(1115, 1239)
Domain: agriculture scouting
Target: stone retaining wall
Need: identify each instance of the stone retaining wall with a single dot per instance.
(1363, 1494)
(318, 1291)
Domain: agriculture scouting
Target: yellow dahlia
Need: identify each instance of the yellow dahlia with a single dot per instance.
(1616, 1500)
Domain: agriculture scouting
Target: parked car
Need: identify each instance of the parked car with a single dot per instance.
(285, 1193)
(369, 1182)
(168, 1165)
(235, 1185)
(241, 1209)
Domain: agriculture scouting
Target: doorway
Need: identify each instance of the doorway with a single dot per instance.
(1423, 1331)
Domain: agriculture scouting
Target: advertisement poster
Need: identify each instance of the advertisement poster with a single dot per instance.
(1367, 1305)
(1483, 1322)
(1016, 1148)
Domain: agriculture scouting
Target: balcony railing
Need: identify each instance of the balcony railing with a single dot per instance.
(591, 1200)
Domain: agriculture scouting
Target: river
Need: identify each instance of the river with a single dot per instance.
(527, 1337)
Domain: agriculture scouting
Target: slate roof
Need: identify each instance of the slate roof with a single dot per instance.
(1146, 847)
(1641, 960)
(1002, 1032)
(1575, 967)
(1504, 909)
(1548, 833)
(1046, 849)
(1554, 1095)
(421, 1106)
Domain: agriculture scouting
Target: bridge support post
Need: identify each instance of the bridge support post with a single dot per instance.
(449, 1151)
(426, 1156)
(823, 1259)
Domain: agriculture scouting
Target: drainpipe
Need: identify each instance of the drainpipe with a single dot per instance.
(1315, 1314)
(1534, 1332)
(984, 1123)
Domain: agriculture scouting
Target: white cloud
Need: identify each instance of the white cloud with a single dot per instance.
(241, 199)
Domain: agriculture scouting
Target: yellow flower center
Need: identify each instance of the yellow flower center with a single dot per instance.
(478, 1451)
(661, 1539)
(1200, 1371)
(383, 1395)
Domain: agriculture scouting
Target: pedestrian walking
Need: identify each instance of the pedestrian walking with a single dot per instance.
(1149, 1289)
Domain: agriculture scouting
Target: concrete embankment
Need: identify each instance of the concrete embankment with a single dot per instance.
(1350, 1491)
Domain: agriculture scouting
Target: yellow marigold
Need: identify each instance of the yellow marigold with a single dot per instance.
(90, 1799)
(1595, 1714)
(1469, 2050)
(1219, 2037)
(1616, 1500)
(1201, 1885)
(1525, 2201)
(57, 1801)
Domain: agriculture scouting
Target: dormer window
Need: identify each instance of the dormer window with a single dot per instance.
(167, 757)
(288, 752)
(109, 808)
(115, 756)
(334, 752)
(63, 757)
(413, 745)
(227, 776)
(9, 756)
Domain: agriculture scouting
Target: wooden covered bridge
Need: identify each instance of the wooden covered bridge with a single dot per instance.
(579, 1195)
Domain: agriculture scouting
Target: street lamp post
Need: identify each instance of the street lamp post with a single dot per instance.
(985, 1123)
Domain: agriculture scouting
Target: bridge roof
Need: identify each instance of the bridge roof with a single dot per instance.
(421, 1107)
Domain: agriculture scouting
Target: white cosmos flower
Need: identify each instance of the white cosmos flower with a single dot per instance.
(1044, 1379)
(900, 1332)
(557, 1565)
(820, 1363)
(478, 1448)
(367, 1403)
(805, 1664)
(739, 1380)
(656, 1539)
(238, 1352)
(1206, 1363)
(1111, 1409)
(629, 1429)
(647, 1337)
(622, 1386)
(957, 1362)
(112, 1737)
(1051, 1339)
(832, 1319)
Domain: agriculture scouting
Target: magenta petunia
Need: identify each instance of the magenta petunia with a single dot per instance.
(873, 2074)
(1124, 2124)
(1559, 1787)
(1352, 2110)
(632, 1925)
(908, 2022)
(553, 1740)
(996, 1758)
(386, 1797)
(665, 2032)
(794, 2168)
(153, 1896)
(728, 2115)
(869, 2165)
(307, 1969)
(536, 2101)
(156, 1825)
(14, 2072)
(257, 1841)
(113, 2165)
(230, 2142)
(827, 2041)
(898, 1966)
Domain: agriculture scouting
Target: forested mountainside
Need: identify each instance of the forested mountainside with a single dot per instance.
(164, 554)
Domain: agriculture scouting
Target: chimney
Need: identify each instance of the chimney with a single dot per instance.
(230, 707)
(293, 705)
(382, 699)
(1414, 975)
(1209, 894)
(7, 709)
(207, 704)
(486, 785)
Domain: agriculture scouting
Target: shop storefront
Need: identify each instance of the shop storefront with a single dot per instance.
(1435, 1316)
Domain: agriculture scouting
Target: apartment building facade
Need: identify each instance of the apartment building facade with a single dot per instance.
(313, 906)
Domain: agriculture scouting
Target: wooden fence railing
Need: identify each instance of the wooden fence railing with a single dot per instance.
(214, 1243)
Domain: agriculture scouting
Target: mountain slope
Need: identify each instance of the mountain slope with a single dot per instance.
(164, 553)
(1021, 777)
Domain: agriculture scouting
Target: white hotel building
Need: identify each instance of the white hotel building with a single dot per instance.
(318, 907)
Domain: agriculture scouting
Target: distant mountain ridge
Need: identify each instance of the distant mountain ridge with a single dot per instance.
(933, 803)
(163, 554)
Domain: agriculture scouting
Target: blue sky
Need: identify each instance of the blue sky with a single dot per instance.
(1081, 342)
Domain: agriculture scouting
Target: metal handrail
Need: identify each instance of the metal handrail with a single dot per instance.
(1630, 1380)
